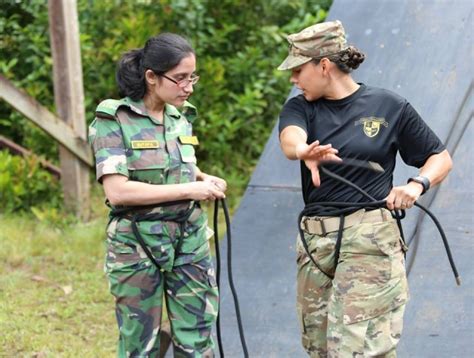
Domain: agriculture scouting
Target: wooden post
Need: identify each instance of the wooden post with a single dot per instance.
(69, 99)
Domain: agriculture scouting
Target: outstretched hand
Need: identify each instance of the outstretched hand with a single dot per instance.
(313, 155)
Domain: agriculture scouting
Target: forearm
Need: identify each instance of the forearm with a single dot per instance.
(437, 167)
(292, 139)
(121, 191)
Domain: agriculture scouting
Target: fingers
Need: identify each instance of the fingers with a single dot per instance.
(401, 197)
(207, 190)
(322, 150)
(220, 184)
(215, 192)
(315, 151)
(313, 145)
(395, 202)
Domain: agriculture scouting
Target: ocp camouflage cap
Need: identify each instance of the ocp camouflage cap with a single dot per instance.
(316, 41)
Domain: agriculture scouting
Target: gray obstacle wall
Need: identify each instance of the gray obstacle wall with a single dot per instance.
(423, 51)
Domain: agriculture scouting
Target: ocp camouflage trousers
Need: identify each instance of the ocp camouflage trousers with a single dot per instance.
(360, 312)
(186, 281)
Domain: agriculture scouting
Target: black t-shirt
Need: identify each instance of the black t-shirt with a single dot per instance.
(370, 124)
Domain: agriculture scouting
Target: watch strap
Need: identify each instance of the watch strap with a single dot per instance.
(424, 181)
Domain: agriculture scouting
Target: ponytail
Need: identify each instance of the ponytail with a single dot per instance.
(130, 75)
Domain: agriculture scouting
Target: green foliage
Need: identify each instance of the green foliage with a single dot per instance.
(23, 183)
(238, 44)
(25, 59)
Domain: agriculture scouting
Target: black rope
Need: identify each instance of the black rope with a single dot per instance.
(341, 208)
(445, 242)
(230, 276)
(218, 277)
(339, 239)
(135, 214)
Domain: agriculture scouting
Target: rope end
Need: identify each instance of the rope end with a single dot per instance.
(458, 280)
(376, 167)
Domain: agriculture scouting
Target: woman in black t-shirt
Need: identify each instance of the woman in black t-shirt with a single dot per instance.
(352, 290)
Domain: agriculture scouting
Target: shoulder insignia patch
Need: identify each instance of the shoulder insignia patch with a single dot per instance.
(188, 139)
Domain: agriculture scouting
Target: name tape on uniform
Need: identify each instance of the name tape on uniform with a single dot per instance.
(145, 144)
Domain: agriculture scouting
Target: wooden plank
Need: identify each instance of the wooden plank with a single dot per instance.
(41, 116)
(19, 150)
(69, 99)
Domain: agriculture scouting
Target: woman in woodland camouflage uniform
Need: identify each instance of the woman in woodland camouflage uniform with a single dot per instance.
(352, 288)
(157, 239)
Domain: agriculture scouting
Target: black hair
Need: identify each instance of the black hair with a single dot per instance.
(346, 60)
(160, 54)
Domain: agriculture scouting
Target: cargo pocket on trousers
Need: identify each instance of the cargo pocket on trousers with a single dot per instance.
(365, 280)
(120, 252)
(196, 233)
(321, 249)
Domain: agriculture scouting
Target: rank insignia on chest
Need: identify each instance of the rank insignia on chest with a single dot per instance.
(188, 139)
(371, 125)
(144, 144)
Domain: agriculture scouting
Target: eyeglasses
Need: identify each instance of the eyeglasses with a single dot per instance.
(184, 82)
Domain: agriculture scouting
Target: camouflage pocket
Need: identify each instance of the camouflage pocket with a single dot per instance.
(321, 248)
(117, 248)
(195, 242)
(381, 239)
(125, 251)
(368, 279)
(187, 153)
(146, 165)
(192, 242)
(140, 159)
(156, 239)
(388, 237)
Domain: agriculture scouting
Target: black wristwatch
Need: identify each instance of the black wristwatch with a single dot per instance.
(423, 181)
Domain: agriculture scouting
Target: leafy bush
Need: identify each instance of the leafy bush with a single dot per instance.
(24, 184)
(239, 44)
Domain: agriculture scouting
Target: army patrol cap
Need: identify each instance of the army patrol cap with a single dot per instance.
(316, 41)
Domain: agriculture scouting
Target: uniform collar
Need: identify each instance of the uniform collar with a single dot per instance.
(172, 111)
(136, 106)
(189, 111)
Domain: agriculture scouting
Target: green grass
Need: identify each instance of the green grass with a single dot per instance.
(54, 296)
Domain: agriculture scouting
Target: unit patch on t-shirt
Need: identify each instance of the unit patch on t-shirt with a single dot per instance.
(371, 125)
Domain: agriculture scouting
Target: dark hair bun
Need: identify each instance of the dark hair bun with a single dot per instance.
(353, 57)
